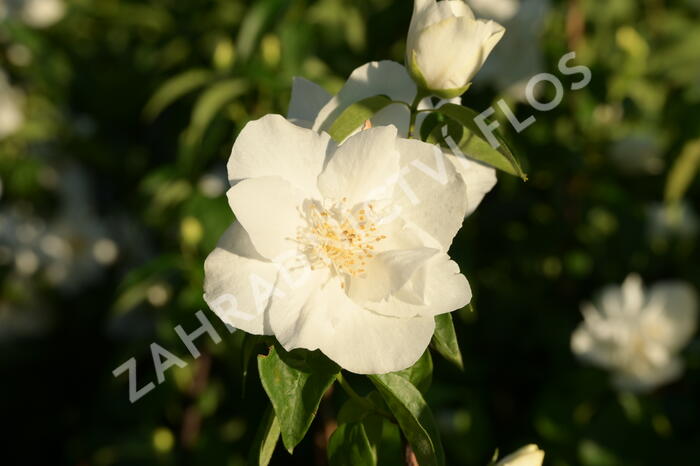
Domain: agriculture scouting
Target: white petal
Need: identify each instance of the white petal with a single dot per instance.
(395, 114)
(376, 78)
(429, 12)
(363, 164)
(677, 303)
(269, 210)
(228, 289)
(650, 378)
(435, 50)
(387, 273)
(437, 288)
(358, 340)
(308, 98)
(430, 193)
(587, 347)
(529, 455)
(633, 294)
(273, 146)
(479, 179)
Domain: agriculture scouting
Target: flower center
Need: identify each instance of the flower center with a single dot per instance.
(341, 239)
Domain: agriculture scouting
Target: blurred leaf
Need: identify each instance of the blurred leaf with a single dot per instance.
(355, 115)
(256, 21)
(295, 395)
(591, 453)
(349, 446)
(474, 144)
(265, 439)
(683, 172)
(175, 88)
(445, 340)
(421, 373)
(414, 417)
(210, 104)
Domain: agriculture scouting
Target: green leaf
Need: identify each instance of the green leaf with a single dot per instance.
(421, 373)
(265, 440)
(683, 172)
(473, 143)
(349, 446)
(175, 88)
(295, 394)
(355, 115)
(414, 417)
(445, 340)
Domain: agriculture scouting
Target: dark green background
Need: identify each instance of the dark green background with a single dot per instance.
(532, 252)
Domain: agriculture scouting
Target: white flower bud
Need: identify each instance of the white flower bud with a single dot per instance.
(447, 45)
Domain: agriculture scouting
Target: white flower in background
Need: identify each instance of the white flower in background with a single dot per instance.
(519, 56)
(637, 333)
(11, 112)
(328, 252)
(529, 455)
(70, 249)
(313, 107)
(638, 155)
(447, 45)
(669, 221)
(42, 13)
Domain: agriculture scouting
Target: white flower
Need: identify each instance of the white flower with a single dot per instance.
(379, 270)
(519, 56)
(529, 455)
(313, 107)
(42, 13)
(637, 334)
(447, 45)
(638, 155)
(11, 113)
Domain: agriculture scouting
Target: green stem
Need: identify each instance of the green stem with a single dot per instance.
(361, 400)
(414, 112)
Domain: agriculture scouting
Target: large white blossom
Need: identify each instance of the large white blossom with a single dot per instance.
(637, 333)
(529, 455)
(328, 250)
(312, 107)
(447, 45)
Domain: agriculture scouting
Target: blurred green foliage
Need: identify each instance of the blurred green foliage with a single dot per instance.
(146, 98)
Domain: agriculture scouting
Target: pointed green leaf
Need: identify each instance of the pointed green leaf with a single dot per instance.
(349, 446)
(421, 373)
(295, 394)
(445, 340)
(473, 143)
(414, 417)
(174, 88)
(355, 115)
(265, 440)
